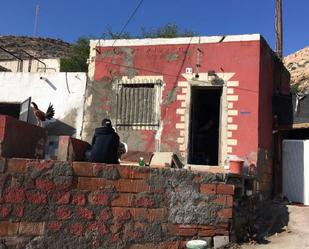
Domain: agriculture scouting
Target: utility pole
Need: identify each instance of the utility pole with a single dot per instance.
(36, 20)
(279, 31)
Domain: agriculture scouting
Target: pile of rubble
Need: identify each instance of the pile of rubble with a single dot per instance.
(256, 220)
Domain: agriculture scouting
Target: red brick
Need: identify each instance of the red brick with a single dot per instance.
(229, 201)
(123, 217)
(132, 186)
(208, 188)
(128, 172)
(99, 199)
(8, 229)
(221, 232)
(19, 211)
(54, 226)
(5, 210)
(206, 233)
(79, 199)
(123, 200)
(76, 229)
(16, 165)
(220, 200)
(104, 215)
(224, 226)
(180, 231)
(40, 165)
(225, 189)
(98, 227)
(61, 197)
(63, 213)
(14, 195)
(83, 169)
(85, 213)
(225, 213)
(91, 184)
(171, 245)
(267, 177)
(44, 184)
(118, 211)
(31, 228)
(36, 197)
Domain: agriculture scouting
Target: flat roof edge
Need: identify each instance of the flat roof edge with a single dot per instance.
(174, 41)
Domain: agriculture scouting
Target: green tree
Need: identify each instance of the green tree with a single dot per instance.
(166, 31)
(76, 60)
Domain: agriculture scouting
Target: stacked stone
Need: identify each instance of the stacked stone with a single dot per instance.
(84, 205)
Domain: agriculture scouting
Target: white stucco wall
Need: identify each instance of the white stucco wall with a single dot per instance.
(64, 90)
(52, 65)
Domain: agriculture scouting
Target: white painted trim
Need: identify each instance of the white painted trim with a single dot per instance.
(174, 41)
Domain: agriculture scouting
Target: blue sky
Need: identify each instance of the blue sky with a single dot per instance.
(69, 19)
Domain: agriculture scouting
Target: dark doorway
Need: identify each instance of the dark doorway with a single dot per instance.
(204, 126)
(10, 109)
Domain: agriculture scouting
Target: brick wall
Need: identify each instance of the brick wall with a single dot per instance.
(83, 205)
(20, 139)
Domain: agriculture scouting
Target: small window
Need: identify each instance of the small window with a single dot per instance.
(138, 106)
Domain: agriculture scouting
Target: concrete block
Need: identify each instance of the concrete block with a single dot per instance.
(220, 241)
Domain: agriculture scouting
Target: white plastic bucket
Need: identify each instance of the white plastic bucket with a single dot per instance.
(196, 244)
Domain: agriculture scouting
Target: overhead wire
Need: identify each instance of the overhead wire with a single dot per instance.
(129, 20)
(144, 69)
(123, 28)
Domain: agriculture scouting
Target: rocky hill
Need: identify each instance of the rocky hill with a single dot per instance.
(298, 65)
(39, 47)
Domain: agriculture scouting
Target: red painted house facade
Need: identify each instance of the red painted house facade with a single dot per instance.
(204, 98)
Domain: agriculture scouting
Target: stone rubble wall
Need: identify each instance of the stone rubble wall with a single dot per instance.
(53, 204)
(39, 47)
(298, 65)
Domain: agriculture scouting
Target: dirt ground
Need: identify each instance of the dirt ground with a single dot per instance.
(293, 236)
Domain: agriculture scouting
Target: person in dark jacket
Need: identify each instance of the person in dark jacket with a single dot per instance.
(105, 143)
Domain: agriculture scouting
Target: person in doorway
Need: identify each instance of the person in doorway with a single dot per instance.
(105, 144)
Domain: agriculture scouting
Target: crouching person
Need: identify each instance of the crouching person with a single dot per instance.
(105, 144)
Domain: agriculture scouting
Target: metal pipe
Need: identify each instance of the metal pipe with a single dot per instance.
(20, 65)
(35, 59)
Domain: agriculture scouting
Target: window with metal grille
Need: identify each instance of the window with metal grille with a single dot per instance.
(138, 106)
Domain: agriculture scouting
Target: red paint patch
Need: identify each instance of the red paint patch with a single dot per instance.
(104, 215)
(85, 213)
(76, 229)
(14, 195)
(44, 184)
(36, 197)
(5, 211)
(19, 211)
(99, 199)
(61, 197)
(98, 227)
(79, 199)
(63, 213)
